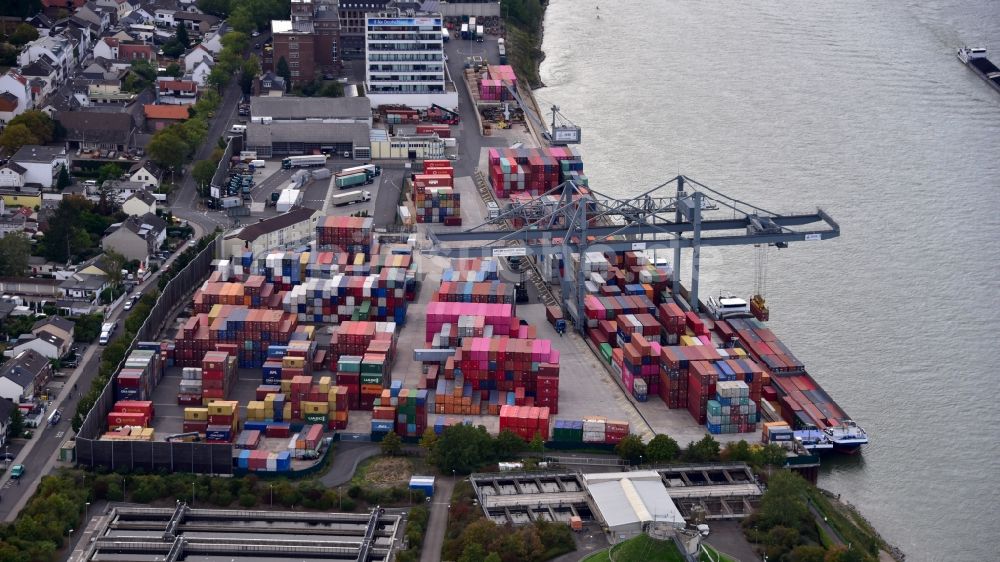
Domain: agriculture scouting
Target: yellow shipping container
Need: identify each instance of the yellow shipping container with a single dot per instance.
(293, 362)
(315, 407)
(195, 414)
(324, 384)
(214, 312)
(340, 416)
(310, 330)
(690, 340)
(287, 411)
(286, 386)
(222, 408)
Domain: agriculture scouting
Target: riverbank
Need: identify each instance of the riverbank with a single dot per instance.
(525, 24)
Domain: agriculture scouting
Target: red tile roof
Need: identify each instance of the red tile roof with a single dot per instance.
(181, 85)
(178, 112)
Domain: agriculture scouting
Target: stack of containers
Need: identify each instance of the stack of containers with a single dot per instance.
(434, 197)
(638, 361)
(490, 90)
(129, 433)
(248, 439)
(441, 130)
(597, 308)
(337, 398)
(766, 347)
(218, 373)
(504, 363)
(348, 234)
(410, 409)
(191, 386)
(594, 429)
(672, 322)
(471, 269)
(500, 316)
(494, 292)
(130, 413)
(674, 364)
(252, 331)
(731, 411)
(535, 170)
(195, 420)
(223, 421)
(568, 431)
(442, 422)
(263, 461)
(525, 421)
(503, 73)
(615, 431)
(702, 378)
(379, 296)
(139, 375)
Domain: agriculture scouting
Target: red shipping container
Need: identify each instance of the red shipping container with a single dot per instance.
(120, 419)
(194, 426)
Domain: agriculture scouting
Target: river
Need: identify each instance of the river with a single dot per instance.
(860, 107)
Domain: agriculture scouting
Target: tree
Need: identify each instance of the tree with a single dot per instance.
(463, 448)
(218, 8)
(15, 249)
(391, 444)
(428, 441)
(203, 172)
(844, 554)
(218, 78)
(249, 71)
(174, 69)
(283, 71)
(115, 262)
(783, 504)
(24, 33)
(182, 36)
(16, 136)
(473, 552)
(64, 180)
(772, 454)
(235, 41)
(331, 90)
(807, 553)
(536, 445)
(173, 48)
(16, 427)
(71, 228)
(508, 444)
(167, 148)
(493, 557)
(739, 451)
(706, 450)
(631, 448)
(242, 20)
(662, 448)
(38, 122)
(109, 171)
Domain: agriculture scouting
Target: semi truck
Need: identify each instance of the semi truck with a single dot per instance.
(303, 161)
(345, 180)
(288, 199)
(350, 197)
(371, 169)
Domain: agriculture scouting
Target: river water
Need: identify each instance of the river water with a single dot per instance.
(860, 107)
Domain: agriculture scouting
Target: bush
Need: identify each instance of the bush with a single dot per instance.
(248, 500)
(347, 504)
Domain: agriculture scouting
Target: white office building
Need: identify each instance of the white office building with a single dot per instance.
(404, 60)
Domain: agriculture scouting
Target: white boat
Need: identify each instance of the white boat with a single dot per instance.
(847, 437)
(728, 306)
(975, 58)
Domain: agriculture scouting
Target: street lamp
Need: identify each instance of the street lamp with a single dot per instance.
(123, 489)
(86, 512)
(270, 487)
(69, 535)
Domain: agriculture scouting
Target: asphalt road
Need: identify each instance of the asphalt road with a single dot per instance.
(40, 454)
(438, 522)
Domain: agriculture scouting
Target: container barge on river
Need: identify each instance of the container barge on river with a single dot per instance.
(975, 58)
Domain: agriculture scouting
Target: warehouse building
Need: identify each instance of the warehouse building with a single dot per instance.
(273, 140)
(295, 228)
(626, 502)
(266, 109)
(412, 147)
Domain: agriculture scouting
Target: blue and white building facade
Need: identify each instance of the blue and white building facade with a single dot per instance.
(404, 61)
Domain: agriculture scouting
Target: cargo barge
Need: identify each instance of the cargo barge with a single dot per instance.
(975, 58)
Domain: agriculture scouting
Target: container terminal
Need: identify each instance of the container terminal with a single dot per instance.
(559, 313)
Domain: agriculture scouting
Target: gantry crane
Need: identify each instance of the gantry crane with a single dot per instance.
(582, 221)
(563, 131)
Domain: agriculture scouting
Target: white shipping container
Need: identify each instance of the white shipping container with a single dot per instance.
(593, 437)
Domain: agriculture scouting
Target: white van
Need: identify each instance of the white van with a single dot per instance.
(492, 210)
(238, 129)
(257, 163)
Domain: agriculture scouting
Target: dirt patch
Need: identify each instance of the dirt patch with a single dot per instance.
(388, 472)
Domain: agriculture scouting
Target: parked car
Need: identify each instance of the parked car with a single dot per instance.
(16, 471)
(130, 303)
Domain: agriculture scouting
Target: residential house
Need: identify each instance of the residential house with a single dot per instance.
(133, 51)
(101, 69)
(195, 21)
(200, 73)
(15, 96)
(12, 222)
(164, 17)
(120, 190)
(65, 329)
(120, 8)
(196, 55)
(7, 408)
(108, 92)
(53, 7)
(41, 163)
(83, 287)
(139, 204)
(46, 343)
(213, 40)
(12, 175)
(90, 130)
(26, 196)
(23, 375)
(59, 51)
(93, 14)
(287, 230)
(106, 48)
(160, 116)
(176, 92)
(146, 172)
(43, 78)
(136, 237)
(270, 84)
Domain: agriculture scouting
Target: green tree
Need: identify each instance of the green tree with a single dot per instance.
(282, 70)
(16, 427)
(174, 69)
(772, 454)
(807, 553)
(236, 41)
(24, 33)
(463, 448)
(218, 8)
(631, 448)
(242, 20)
(16, 136)
(493, 557)
(508, 444)
(109, 171)
(182, 36)
(845, 554)
(662, 448)
(784, 504)
(391, 444)
(39, 123)
(473, 552)
(249, 71)
(536, 445)
(331, 90)
(15, 249)
(87, 328)
(202, 173)
(115, 262)
(172, 48)
(64, 180)
(167, 148)
(706, 450)
(739, 451)
(218, 78)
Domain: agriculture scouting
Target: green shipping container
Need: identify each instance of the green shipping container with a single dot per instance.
(371, 379)
(606, 352)
(315, 418)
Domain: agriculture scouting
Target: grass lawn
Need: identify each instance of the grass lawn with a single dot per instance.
(712, 555)
(640, 549)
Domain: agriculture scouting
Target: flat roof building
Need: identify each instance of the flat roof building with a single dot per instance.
(264, 109)
(627, 501)
(272, 140)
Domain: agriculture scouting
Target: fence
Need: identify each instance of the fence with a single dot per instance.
(210, 458)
